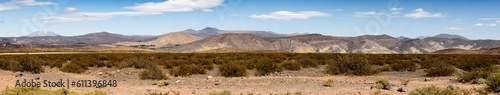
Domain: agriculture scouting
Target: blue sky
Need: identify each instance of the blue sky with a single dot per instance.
(475, 19)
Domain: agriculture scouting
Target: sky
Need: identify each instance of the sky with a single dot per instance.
(474, 19)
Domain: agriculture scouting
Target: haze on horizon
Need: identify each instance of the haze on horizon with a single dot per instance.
(474, 19)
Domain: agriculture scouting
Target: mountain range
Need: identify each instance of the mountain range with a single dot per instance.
(92, 38)
(42, 34)
(210, 39)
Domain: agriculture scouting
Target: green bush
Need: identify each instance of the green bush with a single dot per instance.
(440, 69)
(432, 90)
(152, 73)
(494, 83)
(351, 65)
(71, 67)
(187, 70)
(232, 69)
(328, 83)
(479, 81)
(26, 64)
(225, 92)
(403, 66)
(164, 83)
(477, 73)
(291, 65)
(381, 83)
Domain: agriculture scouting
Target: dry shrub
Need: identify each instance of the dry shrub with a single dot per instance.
(475, 62)
(352, 65)
(403, 66)
(71, 67)
(152, 73)
(440, 69)
(26, 64)
(138, 63)
(266, 67)
(494, 83)
(477, 74)
(308, 62)
(432, 90)
(187, 70)
(232, 69)
(291, 65)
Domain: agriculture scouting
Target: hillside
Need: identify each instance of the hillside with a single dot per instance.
(310, 43)
(170, 39)
(229, 40)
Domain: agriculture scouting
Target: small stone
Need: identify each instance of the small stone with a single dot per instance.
(401, 89)
(209, 77)
(451, 87)
(100, 73)
(427, 79)
(20, 74)
(387, 87)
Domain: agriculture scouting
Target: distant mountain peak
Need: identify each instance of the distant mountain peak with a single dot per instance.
(209, 29)
(402, 38)
(103, 32)
(189, 29)
(42, 34)
(450, 36)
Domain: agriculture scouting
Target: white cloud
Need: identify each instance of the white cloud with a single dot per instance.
(33, 2)
(177, 6)
(286, 15)
(394, 14)
(454, 29)
(496, 21)
(459, 21)
(421, 13)
(93, 16)
(397, 9)
(149, 8)
(16, 4)
(489, 19)
(485, 24)
(70, 9)
(336, 10)
(366, 14)
(8, 6)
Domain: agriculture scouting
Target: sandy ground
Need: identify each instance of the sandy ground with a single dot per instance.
(307, 81)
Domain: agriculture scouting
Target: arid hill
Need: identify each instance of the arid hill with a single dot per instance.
(310, 43)
(229, 40)
(210, 31)
(170, 39)
(494, 51)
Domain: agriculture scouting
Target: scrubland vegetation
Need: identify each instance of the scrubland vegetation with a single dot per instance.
(235, 64)
(478, 69)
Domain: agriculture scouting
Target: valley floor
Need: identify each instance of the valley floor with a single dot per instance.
(307, 81)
